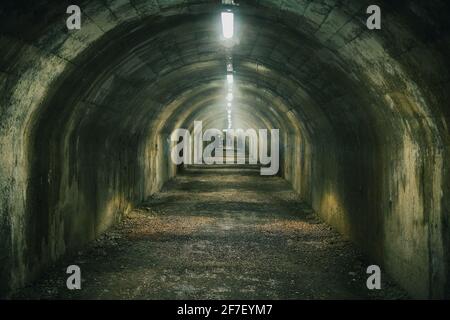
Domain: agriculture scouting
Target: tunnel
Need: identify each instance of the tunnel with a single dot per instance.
(87, 116)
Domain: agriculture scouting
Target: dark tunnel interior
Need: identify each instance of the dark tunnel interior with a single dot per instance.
(87, 115)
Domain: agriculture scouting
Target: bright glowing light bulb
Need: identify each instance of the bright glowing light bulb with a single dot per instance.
(229, 104)
(227, 24)
(230, 97)
(230, 78)
(229, 111)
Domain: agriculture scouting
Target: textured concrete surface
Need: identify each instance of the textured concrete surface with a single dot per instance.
(218, 234)
(363, 116)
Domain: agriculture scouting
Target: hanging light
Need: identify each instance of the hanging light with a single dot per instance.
(227, 24)
(230, 78)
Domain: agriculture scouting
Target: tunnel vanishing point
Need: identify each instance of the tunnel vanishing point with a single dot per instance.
(363, 115)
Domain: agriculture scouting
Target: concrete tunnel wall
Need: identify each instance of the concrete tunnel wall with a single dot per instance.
(363, 116)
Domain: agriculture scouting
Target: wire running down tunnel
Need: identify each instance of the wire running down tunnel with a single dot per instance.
(87, 115)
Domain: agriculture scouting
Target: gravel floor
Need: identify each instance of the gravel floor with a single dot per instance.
(217, 234)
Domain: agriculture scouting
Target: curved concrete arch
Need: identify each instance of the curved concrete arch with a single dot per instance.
(364, 119)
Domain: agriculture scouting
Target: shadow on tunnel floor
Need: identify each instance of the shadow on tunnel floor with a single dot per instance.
(218, 235)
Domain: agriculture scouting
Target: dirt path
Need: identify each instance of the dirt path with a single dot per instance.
(217, 233)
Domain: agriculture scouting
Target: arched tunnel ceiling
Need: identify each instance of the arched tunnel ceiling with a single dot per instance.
(325, 58)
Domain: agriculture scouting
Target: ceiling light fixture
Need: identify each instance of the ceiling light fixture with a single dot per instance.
(230, 79)
(227, 24)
